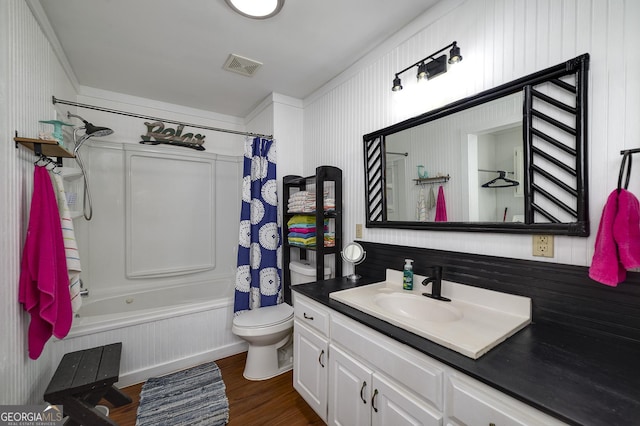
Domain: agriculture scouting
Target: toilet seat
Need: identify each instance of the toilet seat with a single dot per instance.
(264, 317)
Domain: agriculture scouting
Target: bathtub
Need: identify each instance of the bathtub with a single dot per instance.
(107, 313)
(161, 330)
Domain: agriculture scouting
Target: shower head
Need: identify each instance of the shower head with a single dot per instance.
(90, 129)
(97, 131)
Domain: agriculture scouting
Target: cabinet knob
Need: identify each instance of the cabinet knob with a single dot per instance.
(373, 400)
(304, 314)
(320, 358)
(364, 385)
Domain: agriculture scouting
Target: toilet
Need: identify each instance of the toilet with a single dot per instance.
(268, 330)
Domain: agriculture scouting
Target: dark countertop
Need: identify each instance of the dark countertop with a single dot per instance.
(579, 378)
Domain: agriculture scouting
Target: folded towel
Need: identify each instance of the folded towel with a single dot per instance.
(304, 230)
(300, 235)
(300, 219)
(306, 242)
(441, 206)
(617, 245)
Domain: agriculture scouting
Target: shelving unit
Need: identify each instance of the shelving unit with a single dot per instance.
(435, 179)
(51, 148)
(329, 178)
(44, 147)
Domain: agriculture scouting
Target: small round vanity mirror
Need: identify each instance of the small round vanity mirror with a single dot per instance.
(353, 253)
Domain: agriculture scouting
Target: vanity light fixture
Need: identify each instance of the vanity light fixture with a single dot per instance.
(256, 9)
(431, 66)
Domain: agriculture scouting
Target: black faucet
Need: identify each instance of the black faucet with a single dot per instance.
(435, 278)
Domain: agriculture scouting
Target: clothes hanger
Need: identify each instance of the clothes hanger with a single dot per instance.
(494, 183)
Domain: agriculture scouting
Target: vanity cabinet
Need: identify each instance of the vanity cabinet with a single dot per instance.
(470, 402)
(311, 353)
(361, 396)
(371, 379)
(350, 390)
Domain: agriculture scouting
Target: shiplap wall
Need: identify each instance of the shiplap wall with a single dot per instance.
(500, 40)
(30, 74)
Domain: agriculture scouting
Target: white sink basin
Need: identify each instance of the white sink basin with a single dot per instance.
(417, 307)
(475, 320)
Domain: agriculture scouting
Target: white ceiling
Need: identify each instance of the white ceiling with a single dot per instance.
(173, 51)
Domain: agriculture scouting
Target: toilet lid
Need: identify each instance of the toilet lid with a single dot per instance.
(265, 316)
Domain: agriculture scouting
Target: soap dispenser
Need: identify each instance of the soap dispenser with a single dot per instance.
(407, 275)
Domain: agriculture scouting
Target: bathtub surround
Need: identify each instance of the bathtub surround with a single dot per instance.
(194, 327)
(258, 277)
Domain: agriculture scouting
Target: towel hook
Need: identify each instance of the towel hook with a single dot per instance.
(626, 161)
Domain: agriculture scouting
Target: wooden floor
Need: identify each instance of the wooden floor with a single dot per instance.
(267, 402)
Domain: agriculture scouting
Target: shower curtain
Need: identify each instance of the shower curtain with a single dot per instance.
(259, 272)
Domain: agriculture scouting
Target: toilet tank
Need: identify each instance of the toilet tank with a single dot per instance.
(304, 272)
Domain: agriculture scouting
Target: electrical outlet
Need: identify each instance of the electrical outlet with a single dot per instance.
(543, 245)
(358, 230)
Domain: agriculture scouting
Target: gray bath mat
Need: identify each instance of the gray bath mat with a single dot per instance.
(191, 397)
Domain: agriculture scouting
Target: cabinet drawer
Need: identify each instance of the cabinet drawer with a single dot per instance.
(311, 314)
(395, 360)
(470, 402)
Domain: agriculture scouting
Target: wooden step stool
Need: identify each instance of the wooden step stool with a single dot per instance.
(82, 379)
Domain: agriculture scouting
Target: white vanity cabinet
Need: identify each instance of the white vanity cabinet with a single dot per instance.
(393, 405)
(371, 379)
(350, 390)
(388, 383)
(470, 402)
(310, 367)
(360, 396)
(311, 353)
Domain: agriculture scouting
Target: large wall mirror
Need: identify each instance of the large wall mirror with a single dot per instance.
(510, 159)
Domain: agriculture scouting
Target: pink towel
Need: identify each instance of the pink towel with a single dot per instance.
(626, 230)
(44, 282)
(441, 206)
(618, 242)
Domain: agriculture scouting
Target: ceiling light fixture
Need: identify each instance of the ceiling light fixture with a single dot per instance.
(431, 66)
(256, 9)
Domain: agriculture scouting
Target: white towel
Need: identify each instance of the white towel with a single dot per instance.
(70, 245)
(421, 208)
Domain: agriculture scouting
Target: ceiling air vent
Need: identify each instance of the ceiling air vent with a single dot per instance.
(240, 65)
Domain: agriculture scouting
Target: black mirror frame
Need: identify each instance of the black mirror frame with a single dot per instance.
(375, 166)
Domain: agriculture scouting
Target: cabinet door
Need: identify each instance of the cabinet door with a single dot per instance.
(393, 405)
(310, 367)
(470, 403)
(349, 390)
